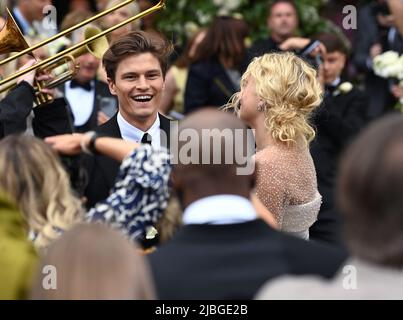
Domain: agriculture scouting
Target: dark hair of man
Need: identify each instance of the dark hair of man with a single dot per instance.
(225, 38)
(333, 43)
(135, 43)
(370, 193)
(272, 4)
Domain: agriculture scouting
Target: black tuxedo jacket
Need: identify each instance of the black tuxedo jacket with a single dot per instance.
(338, 120)
(377, 89)
(233, 261)
(207, 85)
(101, 91)
(262, 47)
(102, 170)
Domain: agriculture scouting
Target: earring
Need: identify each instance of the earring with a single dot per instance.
(261, 106)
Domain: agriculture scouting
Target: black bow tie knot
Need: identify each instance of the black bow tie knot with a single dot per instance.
(75, 84)
(146, 138)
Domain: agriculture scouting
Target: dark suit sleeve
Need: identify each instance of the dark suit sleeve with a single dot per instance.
(52, 119)
(15, 108)
(342, 126)
(366, 36)
(313, 258)
(196, 92)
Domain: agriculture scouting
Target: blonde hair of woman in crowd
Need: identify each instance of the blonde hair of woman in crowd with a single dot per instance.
(279, 92)
(119, 16)
(34, 178)
(115, 18)
(94, 262)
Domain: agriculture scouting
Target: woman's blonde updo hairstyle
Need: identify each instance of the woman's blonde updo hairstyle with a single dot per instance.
(289, 91)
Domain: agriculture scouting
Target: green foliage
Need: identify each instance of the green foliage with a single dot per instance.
(181, 17)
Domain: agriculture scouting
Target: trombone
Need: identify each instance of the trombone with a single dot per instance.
(45, 64)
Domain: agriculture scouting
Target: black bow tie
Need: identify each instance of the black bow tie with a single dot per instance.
(146, 138)
(75, 84)
(330, 88)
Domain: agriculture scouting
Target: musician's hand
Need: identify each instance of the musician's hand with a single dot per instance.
(30, 76)
(45, 77)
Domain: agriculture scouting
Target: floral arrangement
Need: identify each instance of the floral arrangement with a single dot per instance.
(389, 65)
(182, 18)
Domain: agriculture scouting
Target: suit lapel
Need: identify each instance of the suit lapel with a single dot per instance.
(165, 126)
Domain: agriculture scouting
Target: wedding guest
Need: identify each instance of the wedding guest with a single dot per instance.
(279, 93)
(369, 194)
(218, 64)
(18, 258)
(341, 116)
(95, 263)
(35, 179)
(223, 250)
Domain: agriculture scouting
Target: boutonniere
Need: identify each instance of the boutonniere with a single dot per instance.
(343, 88)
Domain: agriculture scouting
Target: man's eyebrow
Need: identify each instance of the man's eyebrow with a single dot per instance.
(153, 71)
(129, 73)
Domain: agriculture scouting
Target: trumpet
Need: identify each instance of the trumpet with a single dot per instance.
(97, 48)
(13, 41)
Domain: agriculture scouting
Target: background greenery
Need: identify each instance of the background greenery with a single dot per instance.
(181, 17)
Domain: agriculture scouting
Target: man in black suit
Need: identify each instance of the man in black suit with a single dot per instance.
(341, 116)
(282, 21)
(376, 33)
(223, 250)
(135, 65)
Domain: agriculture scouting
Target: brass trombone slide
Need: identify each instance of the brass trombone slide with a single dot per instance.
(63, 33)
(158, 6)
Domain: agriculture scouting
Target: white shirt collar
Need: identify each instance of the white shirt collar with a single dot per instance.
(336, 82)
(131, 133)
(220, 209)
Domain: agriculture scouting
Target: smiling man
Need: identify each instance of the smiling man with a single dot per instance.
(135, 65)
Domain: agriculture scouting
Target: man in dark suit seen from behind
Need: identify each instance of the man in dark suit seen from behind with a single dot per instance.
(341, 116)
(223, 250)
(136, 65)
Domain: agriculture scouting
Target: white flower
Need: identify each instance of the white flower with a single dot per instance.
(226, 6)
(386, 65)
(218, 3)
(400, 69)
(232, 4)
(344, 88)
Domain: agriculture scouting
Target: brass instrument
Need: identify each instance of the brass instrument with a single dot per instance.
(94, 43)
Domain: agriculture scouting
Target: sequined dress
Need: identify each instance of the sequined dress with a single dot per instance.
(287, 186)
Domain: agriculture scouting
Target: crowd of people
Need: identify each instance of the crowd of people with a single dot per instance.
(231, 171)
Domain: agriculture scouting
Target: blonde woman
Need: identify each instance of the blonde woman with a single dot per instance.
(118, 16)
(279, 91)
(95, 262)
(34, 178)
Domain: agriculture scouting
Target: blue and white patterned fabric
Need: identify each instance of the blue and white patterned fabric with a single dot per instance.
(140, 194)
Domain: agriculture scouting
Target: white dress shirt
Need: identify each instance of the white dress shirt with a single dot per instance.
(131, 133)
(81, 102)
(220, 209)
